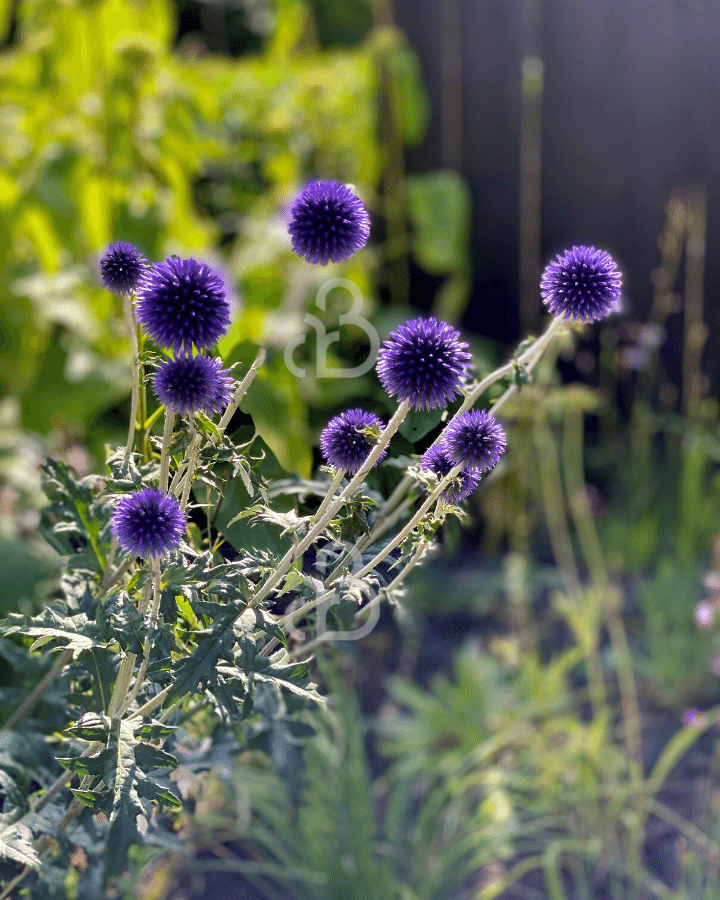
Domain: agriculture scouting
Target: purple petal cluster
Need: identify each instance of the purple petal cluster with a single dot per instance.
(474, 440)
(181, 303)
(436, 459)
(423, 362)
(328, 222)
(121, 268)
(582, 284)
(189, 384)
(343, 443)
(148, 523)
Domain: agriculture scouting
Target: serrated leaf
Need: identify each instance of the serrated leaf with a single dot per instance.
(159, 794)
(155, 731)
(200, 665)
(87, 765)
(90, 727)
(150, 758)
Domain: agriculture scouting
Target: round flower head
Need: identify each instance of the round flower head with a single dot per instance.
(148, 523)
(436, 459)
(343, 443)
(582, 284)
(474, 440)
(328, 222)
(181, 302)
(192, 383)
(121, 268)
(423, 362)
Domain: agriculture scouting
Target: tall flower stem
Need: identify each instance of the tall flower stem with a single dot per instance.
(142, 609)
(135, 390)
(400, 537)
(192, 458)
(165, 452)
(321, 523)
(527, 361)
(339, 475)
(241, 389)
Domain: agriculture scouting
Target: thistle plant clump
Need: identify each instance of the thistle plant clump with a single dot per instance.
(163, 613)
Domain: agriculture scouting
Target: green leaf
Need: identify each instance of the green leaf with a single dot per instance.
(439, 207)
(90, 727)
(16, 844)
(95, 800)
(150, 758)
(418, 423)
(88, 765)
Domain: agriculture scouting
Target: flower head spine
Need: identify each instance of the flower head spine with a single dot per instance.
(121, 267)
(344, 442)
(328, 223)
(148, 523)
(189, 384)
(437, 460)
(581, 284)
(474, 440)
(183, 303)
(423, 362)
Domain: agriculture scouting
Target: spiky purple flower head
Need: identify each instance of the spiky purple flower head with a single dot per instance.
(423, 362)
(148, 523)
(189, 384)
(181, 302)
(474, 440)
(121, 267)
(343, 443)
(436, 459)
(328, 222)
(582, 284)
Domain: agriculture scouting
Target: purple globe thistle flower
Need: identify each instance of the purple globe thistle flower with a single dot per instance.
(343, 443)
(328, 222)
(423, 362)
(181, 302)
(582, 284)
(436, 459)
(474, 440)
(122, 267)
(189, 384)
(148, 523)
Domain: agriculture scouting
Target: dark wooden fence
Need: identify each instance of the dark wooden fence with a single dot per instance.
(629, 112)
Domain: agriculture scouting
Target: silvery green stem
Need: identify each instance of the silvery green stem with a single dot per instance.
(527, 360)
(399, 538)
(377, 531)
(192, 458)
(178, 477)
(240, 391)
(293, 553)
(165, 452)
(339, 475)
(135, 391)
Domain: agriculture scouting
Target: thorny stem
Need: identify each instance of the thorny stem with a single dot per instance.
(165, 452)
(135, 390)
